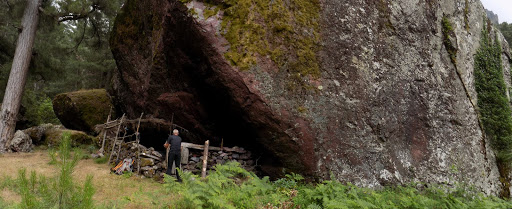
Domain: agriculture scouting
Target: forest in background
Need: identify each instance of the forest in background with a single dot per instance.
(71, 51)
(506, 30)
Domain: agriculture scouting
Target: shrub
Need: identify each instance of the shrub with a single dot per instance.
(39, 108)
(493, 104)
(59, 192)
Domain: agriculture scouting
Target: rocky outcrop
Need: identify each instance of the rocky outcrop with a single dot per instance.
(82, 110)
(493, 17)
(375, 92)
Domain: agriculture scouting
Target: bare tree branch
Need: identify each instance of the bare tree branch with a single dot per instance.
(96, 32)
(8, 5)
(68, 17)
(81, 38)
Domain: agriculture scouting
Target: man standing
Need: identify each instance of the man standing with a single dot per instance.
(174, 153)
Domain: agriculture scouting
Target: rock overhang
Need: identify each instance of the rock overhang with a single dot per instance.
(187, 80)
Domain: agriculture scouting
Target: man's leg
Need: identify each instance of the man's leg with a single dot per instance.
(169, 164)
(177, 162)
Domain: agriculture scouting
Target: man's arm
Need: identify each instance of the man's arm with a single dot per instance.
(166, 145)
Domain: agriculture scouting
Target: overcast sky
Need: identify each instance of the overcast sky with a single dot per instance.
(503, 8)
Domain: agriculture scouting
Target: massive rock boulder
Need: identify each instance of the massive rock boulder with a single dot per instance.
(82, 110)
(369, 91)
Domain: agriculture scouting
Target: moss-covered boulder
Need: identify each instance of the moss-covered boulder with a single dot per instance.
(82, 110)
(37, 133)
(52, 137)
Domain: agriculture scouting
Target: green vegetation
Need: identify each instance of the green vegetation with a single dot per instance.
(447, 29)
(58, 192)
(66, 57)
(92, 106)
(492, 99)
(210, 11)
(101, 160)
(39, 108)
(493, 104)
(506, 30)
(285, 32)
(230, 186)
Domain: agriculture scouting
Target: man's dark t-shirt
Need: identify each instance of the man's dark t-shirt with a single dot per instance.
(175, 142)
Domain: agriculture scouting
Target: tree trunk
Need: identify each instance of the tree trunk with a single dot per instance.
(19, 72)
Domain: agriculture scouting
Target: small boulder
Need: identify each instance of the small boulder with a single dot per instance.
(21, 142)
(82, 110)
(146, 162)
(52, 137)
(195, 159)
(36, 133)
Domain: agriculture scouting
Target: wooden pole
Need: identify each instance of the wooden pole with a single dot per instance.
(167, 150)
(205, 158)
(115, 139)
(105, 132)
(120, 145)
(137, 137)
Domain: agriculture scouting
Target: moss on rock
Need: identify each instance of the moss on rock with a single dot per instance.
(285, 31)
(53, 136)
(82, 110)
(447, 36)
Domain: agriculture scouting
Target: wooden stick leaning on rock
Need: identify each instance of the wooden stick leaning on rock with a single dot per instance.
(137, 137)
(105, 132)
(115, 139)
(205, 158)
(120, 145)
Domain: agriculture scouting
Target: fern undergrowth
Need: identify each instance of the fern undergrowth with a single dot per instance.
(230, 186)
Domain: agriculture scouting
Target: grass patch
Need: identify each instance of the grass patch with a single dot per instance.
(101, 160)
(230, 186)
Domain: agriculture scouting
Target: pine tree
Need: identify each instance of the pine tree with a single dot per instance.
(19, 70)
(71, 41)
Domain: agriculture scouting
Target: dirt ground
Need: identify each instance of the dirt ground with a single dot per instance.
(111, 189)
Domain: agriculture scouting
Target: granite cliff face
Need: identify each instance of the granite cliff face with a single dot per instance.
(376, 92)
